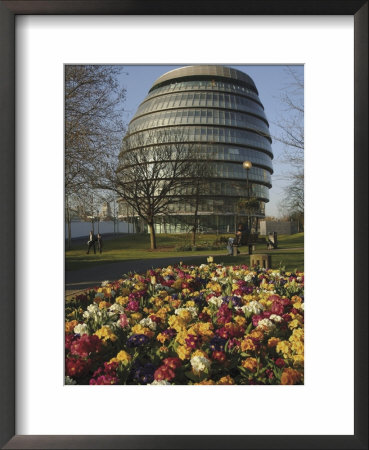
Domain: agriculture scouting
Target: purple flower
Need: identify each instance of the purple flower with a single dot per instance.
(137, 340)
(217, 344)
(144, 374)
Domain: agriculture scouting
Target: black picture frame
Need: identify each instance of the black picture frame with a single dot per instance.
(8, 11)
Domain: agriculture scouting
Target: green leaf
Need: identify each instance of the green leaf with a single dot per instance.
(248, 329)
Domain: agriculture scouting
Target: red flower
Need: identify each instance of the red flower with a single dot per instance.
(155, 318)
(77, 368)
(164, 373)
(193, 341)
(277, 308)
(219, 356)
(172, 363)
(103, 380)
(280, 362)
(85, 345)
(224, 314)
(204, 317)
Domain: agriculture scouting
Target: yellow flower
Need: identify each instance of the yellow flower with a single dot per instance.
(69, 326)
(181, 336)
(177, 323)
(175, 303)
(183, 352)
(162, 313)
(104, 305)
(240, 321)
(136, 316)
(284, 347)
(250, 364)
(185, 315)
(210, 259)
(190, 303)
(214, 286)
(161, 338)
(200, 353)
(105, 333)
(298, 333)
(123, 357)
(139, 329)
(298, 360)
(205, 383)
(293, 324)
(122, 300)
(226, 380)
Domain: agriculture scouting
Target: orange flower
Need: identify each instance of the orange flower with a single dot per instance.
(273, 341)
(247, 345)
(257, 334)
(69, 326)
(290, 376)
(226, 380)
(104, 305)
(205, 383)
(161, 338)
(250, 364)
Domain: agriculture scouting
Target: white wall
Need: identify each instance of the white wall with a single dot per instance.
(80, 229)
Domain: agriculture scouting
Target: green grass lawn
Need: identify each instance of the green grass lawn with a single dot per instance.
(290, 252)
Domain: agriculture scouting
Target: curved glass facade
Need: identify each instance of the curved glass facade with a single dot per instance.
(218, 109)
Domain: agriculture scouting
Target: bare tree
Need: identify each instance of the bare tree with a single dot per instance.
(197, 183)
(93, 123)
(291, 135)
(151, 175)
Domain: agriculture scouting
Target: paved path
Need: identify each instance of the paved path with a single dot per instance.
(93, 276)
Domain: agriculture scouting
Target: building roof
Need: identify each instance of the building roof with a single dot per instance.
(205, 70)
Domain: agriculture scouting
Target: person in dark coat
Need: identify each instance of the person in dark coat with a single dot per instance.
(91, 242)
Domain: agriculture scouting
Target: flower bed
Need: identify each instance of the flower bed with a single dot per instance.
(207, 324)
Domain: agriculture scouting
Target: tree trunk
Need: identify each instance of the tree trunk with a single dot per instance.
(69, 227)
(152, 235)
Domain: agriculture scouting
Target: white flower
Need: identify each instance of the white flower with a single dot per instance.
(116, 308)
(92, 310)
(200, 363)
(266, 325)
(276, 318)
(149, 323)
(217, 301)
(191, 309)
(69, 380)
(248, 277)
(81, 329)
(105, 283)
(160, 382)
(253, 307)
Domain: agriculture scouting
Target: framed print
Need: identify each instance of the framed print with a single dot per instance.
(37, 40)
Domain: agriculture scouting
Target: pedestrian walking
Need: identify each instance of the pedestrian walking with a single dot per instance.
(99, 242)
(91, 242)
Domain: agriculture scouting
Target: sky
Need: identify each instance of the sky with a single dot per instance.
(270, 80)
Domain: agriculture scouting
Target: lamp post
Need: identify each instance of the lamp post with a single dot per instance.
(247, 166)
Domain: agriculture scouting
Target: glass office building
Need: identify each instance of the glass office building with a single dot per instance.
(218, 109)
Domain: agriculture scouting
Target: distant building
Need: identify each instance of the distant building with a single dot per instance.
(280, 227)
(106, 212)
(218, 109)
